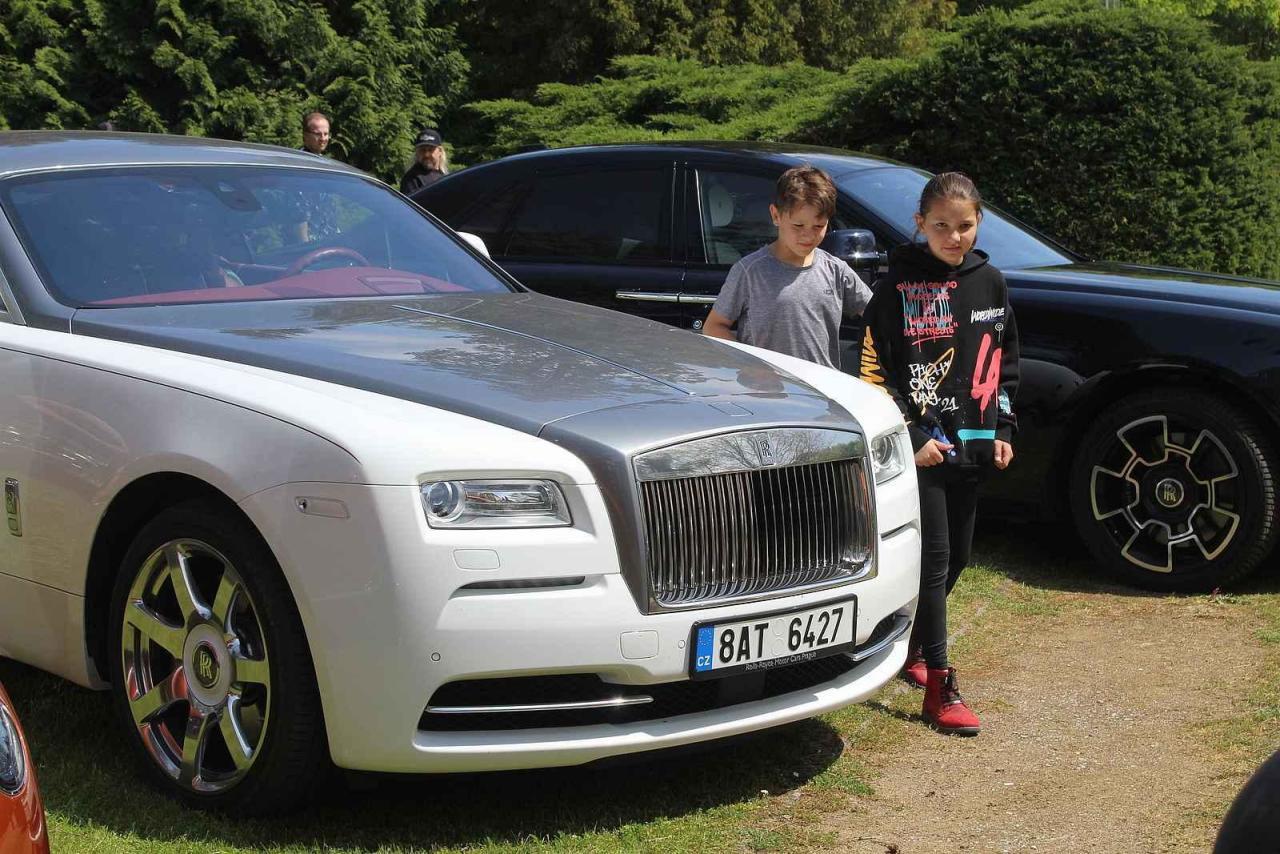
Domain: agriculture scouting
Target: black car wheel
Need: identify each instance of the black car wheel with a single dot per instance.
(1173, 489)
(211, 673)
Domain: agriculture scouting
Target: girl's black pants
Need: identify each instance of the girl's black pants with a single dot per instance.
(948, 506)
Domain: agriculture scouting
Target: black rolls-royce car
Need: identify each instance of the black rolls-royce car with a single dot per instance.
(1150, 404)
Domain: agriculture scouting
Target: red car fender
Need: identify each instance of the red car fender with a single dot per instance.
(22, 824)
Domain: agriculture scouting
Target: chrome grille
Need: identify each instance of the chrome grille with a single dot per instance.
(734, 534)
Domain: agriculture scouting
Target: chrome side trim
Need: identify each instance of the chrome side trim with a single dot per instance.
(896, 531)
(749, 451)
(526, 583)
(901, 625)
(698, 299)
(637, 700)
(647, 296)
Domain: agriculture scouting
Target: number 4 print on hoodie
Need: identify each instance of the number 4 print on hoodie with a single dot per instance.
(943, 343)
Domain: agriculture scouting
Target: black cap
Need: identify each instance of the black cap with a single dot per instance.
(429, 136)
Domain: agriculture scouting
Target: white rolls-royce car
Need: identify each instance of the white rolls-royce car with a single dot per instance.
(307, 481)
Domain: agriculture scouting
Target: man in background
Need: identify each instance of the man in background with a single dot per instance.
(315, 132)
(430, 163)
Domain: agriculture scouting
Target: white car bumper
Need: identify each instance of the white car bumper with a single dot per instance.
(389, 619)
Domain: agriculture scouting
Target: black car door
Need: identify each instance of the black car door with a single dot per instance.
(599, 234)
(726, 217)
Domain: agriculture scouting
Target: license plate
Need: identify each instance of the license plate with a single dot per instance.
(772, 640)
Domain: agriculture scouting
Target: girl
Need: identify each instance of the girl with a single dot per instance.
(943, 342)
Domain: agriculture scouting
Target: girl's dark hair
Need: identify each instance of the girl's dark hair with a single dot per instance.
(950, 185)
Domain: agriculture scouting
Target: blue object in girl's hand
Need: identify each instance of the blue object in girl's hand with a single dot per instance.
(935, 432)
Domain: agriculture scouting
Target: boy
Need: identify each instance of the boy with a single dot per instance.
(789, 296)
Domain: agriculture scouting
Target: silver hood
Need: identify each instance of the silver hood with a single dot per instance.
(522, 360)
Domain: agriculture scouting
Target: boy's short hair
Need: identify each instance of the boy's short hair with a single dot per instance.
(805, 185)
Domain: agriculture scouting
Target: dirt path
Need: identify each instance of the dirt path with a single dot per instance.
(1088, 740)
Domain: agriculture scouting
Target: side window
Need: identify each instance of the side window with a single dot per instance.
(615, 215)
(487, 216)
(734, 214)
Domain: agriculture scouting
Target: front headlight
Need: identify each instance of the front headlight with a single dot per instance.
(13, 766)
(494, 504)
(887, 459)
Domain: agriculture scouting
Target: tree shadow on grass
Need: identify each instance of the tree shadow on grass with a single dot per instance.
(89, 777)
(1049, 556)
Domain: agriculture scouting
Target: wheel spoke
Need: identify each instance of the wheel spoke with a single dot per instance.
(1147, 439)
(161, 697)
(1222, 524)
(256, 671)
(154, 628)
(237, 744)
(1145, 548)
(224, 600)
(184, 587)
(1111, 493)
(193, 745)
(1209, 460)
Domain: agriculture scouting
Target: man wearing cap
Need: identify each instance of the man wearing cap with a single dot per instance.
(430, 163)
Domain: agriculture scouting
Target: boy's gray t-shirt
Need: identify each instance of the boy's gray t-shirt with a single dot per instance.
(792, 310)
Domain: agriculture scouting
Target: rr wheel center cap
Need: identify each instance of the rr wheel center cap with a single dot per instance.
(208, 666)
(1169, 493)
(205, 665)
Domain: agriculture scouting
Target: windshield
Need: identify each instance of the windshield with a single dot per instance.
(187, 234)
(893, 193)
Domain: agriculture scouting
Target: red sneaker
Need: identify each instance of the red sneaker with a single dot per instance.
(915, 672)
(944, 709)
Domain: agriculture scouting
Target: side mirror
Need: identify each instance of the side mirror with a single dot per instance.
(857, 248)
(476, 243)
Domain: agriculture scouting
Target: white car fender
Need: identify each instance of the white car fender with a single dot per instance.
(96, 415)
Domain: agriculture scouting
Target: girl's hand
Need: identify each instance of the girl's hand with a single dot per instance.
(932, 452)
(1004, 454)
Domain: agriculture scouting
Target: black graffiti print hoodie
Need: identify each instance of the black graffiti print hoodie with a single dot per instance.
(942, 341)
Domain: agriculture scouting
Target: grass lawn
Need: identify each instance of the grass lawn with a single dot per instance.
(772, 791)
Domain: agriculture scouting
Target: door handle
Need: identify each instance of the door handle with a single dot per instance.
(647, 296)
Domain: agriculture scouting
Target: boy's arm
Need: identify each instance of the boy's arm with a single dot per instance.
(718, 326)
(729, 306)
(857, 296)
(1006, 420)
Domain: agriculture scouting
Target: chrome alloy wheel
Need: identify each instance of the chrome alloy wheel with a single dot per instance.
(1163, 489)
(196, 673)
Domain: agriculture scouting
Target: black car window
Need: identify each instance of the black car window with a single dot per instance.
(487, 216)
(893, 194)
(735, 214)
(734, 219)
(613, 215)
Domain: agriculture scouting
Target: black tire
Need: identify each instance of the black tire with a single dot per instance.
(1174, 490)
(271, 704)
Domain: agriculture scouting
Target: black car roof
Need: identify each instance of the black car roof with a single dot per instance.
(834, 161)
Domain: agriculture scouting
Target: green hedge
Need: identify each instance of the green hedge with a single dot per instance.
(1130, 134)
(237, 69)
